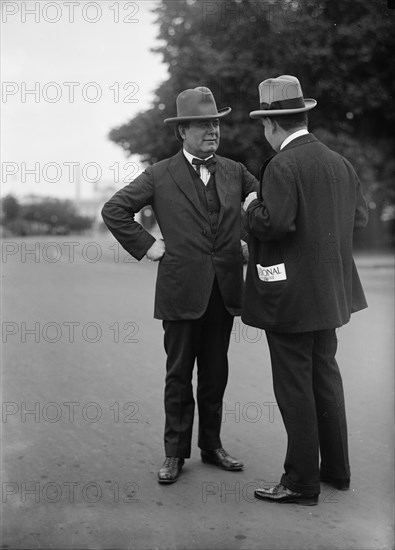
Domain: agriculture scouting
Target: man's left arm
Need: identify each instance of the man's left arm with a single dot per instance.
(275, 215)
(249, 183)
(361, 215)
(361, 209)
(249, 187)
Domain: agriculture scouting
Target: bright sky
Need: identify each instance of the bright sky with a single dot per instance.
(91, 69)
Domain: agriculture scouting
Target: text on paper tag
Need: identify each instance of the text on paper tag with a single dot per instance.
(271, 273)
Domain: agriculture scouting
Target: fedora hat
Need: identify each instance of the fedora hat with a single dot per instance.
(282, 96)
(196, 104)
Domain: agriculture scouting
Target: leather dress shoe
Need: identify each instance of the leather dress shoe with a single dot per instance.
(221, 458)
(338, 483)
(279, 493)
(170, 470)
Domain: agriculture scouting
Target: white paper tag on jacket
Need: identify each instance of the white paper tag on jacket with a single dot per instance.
(271, 273)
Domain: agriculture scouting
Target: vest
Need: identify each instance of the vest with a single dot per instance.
(208, 197)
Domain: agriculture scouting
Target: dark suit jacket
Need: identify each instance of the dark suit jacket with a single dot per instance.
(193, 255)
(309, 201)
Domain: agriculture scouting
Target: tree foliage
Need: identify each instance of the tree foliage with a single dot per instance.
(58, 215)
(340, 51)
(10, 207)
(48, 216)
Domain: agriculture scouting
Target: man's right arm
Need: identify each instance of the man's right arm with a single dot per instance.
(119, 211)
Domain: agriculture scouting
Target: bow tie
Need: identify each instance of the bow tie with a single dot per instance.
(209, 164)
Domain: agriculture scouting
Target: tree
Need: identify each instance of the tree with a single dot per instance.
(340, 51)
(58, 216)
(11, 207)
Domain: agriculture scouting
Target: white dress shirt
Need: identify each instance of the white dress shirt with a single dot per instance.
(204, 171)
(293, 136)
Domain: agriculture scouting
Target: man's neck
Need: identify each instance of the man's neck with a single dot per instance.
(190, 156)
(293, 134)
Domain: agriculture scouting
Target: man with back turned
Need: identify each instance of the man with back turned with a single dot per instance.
(301, 285)
(196, 196)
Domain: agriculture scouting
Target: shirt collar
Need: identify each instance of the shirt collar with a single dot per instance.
(293, 136)
(189, 157)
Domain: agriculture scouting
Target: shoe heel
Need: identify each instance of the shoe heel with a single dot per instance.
(313, 501)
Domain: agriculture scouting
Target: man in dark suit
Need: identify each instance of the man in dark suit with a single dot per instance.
(301, 285)
(196, 197)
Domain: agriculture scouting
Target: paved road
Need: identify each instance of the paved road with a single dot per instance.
(82, 418)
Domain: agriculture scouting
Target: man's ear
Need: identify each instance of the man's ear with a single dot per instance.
(274, 125)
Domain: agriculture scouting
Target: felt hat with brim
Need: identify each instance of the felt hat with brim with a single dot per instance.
(196, 104)
(282, 96)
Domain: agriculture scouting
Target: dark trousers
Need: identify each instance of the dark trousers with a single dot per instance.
(205, 340)
(309, 392)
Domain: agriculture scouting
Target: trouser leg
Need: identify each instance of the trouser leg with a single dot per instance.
(181, 340)
(212, 362)
(330, 406)
(292, 366)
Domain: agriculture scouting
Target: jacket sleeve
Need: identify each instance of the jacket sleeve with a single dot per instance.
(118, 215)
(249, 182)
(273, 214)
(361, 208)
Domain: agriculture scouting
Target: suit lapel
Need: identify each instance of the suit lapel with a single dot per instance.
(178, 170)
